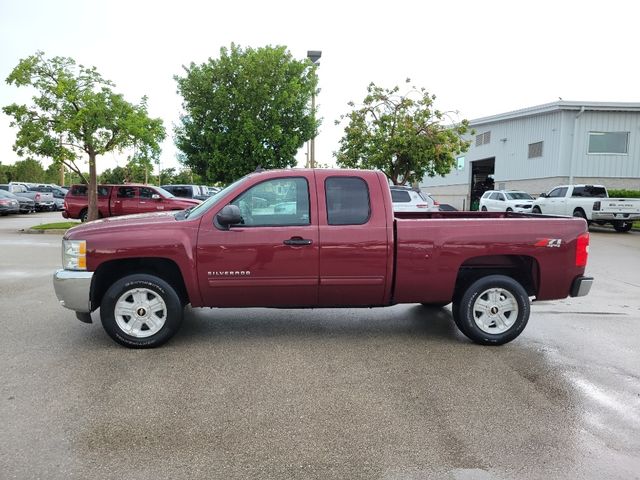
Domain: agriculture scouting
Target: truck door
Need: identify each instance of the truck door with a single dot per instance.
(355, 248)
(125, 201)
(556, 201)
(147, 203)
(271, 259)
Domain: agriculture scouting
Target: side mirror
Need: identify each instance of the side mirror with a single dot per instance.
(155, 196)
(229, 215)
(543, 195)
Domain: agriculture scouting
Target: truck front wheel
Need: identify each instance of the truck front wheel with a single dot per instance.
(493, 310)
(141, 311)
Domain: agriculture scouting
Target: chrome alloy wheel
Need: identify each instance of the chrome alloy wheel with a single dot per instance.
(140, 312)
(495, 310)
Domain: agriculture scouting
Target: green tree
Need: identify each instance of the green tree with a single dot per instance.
(7, 173)
(115, 175)
(75, 113)
(29, 170)
(245, 109)
(52, 173)
(404, 136)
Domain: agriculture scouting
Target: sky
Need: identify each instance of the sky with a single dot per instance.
(478, 57)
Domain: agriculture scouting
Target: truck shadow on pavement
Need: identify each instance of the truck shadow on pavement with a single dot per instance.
(435, 324)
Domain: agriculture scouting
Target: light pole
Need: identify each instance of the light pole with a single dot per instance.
(314, 56)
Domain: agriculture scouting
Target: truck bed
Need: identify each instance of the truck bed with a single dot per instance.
(432, 249)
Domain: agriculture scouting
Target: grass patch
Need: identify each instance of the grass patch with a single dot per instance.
(56, 226)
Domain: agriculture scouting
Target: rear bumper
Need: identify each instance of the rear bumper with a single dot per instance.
(613, 217)
(581, 286)
(73, 289)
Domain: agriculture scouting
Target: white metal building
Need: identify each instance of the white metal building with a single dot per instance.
(537, 148)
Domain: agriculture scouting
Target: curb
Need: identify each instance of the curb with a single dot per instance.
(52, 231)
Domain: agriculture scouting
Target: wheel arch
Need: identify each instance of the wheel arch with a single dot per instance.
(522, 268)
(111, 271)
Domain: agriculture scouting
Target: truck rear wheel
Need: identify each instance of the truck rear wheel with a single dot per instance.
(622, 226)
(83, 215)
(141, 311)
(537, 210)
(493, 310)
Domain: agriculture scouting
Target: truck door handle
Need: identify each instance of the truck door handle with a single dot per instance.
(298, 241)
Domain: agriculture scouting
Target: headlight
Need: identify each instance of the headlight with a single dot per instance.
(74, 254)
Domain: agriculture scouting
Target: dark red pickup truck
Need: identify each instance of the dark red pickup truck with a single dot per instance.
(115, 200)
(318, 238)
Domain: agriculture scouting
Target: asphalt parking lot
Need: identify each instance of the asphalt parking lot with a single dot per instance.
(391, 393)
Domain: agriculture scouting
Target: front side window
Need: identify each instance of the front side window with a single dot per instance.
(347, 201)
(277, 202)
(616, 143)
(146, 192)
(558, 192)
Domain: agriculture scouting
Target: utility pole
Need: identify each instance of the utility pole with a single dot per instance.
(314, 56)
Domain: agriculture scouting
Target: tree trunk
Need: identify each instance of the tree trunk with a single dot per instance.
(93, 188)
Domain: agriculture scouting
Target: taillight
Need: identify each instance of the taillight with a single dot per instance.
(435, 204)
(596, 205)
(37, 197)
(582, 250)
(4, 202)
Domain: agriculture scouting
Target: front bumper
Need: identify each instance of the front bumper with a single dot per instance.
(73, 289)
(581, 286)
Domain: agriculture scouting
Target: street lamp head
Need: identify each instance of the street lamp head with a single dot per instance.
(314, 55)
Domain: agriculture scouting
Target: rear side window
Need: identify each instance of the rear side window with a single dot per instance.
(589, 191)
(400, 196)
(347, 201)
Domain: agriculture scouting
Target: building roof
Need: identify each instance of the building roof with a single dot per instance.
(559, 106)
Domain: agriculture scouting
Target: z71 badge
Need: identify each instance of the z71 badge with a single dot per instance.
(549, 242)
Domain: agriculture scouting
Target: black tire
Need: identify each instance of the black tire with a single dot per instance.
(84, 213)
(435, 304)
(150, 287)
(623, 226)
(464, 309)
(509, 209)
(536, 209)
(484, 209)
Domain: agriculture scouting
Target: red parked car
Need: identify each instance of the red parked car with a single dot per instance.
(313, 239)
(115, 200)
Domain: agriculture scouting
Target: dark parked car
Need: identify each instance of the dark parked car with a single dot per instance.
(25, 204)
(8, 204)
(188, 191)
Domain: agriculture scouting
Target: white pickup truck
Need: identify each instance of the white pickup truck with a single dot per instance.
(590, 202)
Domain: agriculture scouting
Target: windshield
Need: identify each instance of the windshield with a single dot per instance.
(212, 200)
(164, 193)
(518, 196)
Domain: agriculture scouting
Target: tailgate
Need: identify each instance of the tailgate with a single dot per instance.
(624, 205)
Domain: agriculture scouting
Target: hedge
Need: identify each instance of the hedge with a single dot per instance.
(624, 193)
